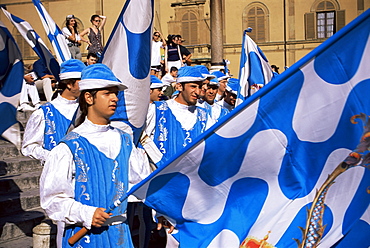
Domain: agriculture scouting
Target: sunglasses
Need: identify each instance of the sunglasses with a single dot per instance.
(96, 20)
(156, 35)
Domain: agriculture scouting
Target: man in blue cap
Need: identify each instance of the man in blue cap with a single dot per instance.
(222, 80)
(216, 111)
(91, 168)
(230, 94)
(156, 88)
(173, 124)
(48, 124)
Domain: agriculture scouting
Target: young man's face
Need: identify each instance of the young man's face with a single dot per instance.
(204, 88)
(155, 94)
(189, 93)
(230, 98)
(91, 60)
(74, 89)
(104, 103)
(211, 93)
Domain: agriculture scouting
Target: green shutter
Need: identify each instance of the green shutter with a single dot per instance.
(340, 20)
(309, 19)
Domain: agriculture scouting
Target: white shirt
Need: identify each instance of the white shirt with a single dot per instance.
(68, 33)
(186, 115)
(156, 53)
(57, 182)
(33, 139)
(225, 104)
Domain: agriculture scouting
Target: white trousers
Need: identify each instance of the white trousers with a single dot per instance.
(44, 85)
(29, 90)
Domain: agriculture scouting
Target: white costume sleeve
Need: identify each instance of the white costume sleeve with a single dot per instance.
(150, 121)
(138, 166)
(33, 139)
(57, 184)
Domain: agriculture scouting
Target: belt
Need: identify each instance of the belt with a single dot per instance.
(73, 44)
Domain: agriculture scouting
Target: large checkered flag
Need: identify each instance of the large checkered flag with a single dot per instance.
(54, 33)
(11, 81)
(34, 40)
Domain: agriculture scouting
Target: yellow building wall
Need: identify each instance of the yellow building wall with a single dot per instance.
(166, 21)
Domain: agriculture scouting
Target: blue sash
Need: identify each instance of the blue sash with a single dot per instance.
(169, 136)
(99, 182)
(56, 126)
(224, 111)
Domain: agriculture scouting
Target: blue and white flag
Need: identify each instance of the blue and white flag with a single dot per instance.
(34, 40)
(54, 33)
(11, 81)
(127, 54)
(255, 71)
(253, 177)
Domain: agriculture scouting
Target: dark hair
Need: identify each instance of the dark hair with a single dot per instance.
(75, 26)
(93, 17)
(92, 55)
(84, 105)
(170, 37)
(62, 86)
(173, 68)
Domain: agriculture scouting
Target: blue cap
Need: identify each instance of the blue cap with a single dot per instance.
(219, 75)
(71, 68)
(155, 82)
(214, 81)
(233, 85)
(204, 71)
(99, 76)
(189, 74)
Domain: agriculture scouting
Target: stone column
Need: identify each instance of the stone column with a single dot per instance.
(44, 235)
(217, 53)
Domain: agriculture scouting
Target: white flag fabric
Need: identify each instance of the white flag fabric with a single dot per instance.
(127, 54)
(37, 44)
(251, 178)
(255, 71)
(54, 33)
(11, 81)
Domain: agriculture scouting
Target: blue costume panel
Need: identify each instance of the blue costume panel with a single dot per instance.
(53, 132)
(169, 135)
(99, 182)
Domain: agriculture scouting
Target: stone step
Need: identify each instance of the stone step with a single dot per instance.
(23, 117)
(18, 183)
(24, 242)
(17, 165)
(19, 225)
(8, 150)
(19, 202)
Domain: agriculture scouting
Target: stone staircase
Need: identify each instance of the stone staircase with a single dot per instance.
(20, 209)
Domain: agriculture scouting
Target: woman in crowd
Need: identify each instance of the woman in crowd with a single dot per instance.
(94, 34)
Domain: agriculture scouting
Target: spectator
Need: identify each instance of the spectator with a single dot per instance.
(29, 89)
(94, 34)
(230, 94)
(70, 31)
(45, 81)
(185, 53)
(157, 45)
(172, 53)
(91, 59)
(169, 81)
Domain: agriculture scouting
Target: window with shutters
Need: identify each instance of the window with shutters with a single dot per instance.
(324, 20)
(255, 16)
(189, 23)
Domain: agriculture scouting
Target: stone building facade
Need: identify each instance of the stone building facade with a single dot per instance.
(285, 30)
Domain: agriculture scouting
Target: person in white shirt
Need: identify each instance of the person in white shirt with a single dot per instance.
(70, 31)
(91, 168)
(157, 46)
(48, 124)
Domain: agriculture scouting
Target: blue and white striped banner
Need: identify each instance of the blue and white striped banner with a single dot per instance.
(54, 33)
(253, 176)
(11, 81)
(34, 40)
(255, 71)
(127, 54)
